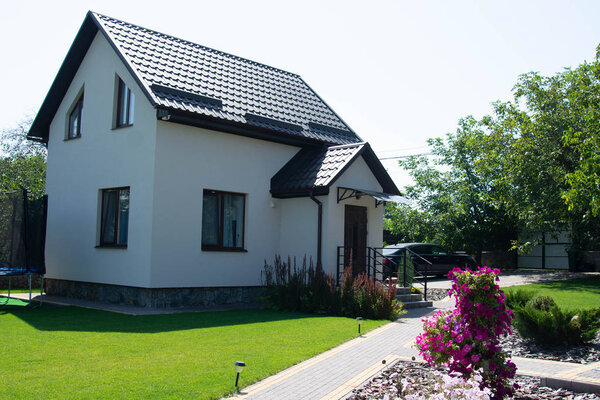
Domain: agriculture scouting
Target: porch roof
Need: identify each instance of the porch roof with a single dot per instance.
(314, 170)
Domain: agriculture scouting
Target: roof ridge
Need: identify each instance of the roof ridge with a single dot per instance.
(210, 49)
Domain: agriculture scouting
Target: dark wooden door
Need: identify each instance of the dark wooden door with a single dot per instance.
(355, 238)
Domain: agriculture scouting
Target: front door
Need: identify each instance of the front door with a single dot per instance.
(355, 238)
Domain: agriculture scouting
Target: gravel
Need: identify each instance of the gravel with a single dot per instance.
(383, 383)
(530, 388)
(582, 354)
(436, 294)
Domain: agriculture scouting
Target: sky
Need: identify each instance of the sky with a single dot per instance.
(397, 72)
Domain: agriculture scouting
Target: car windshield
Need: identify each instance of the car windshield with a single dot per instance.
(438, 250)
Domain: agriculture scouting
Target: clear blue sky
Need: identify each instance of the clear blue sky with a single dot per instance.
(397, 72)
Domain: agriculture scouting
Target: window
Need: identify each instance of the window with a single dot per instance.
(74, 127)
(114, 220)
(125, 100)
(223, 220)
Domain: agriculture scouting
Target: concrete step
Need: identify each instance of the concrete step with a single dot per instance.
(417, 304)
(405, 298)
(402, 290)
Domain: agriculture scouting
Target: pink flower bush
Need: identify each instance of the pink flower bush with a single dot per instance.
(466, 338)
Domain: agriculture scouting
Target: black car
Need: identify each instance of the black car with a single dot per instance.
(432, 258)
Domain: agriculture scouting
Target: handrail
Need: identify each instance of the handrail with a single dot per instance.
(422, 279)
(374, 267)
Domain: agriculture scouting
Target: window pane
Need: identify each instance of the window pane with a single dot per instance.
(75, 120)
(211, 215)
(109, 215)
(131, 101)
(233, 220)
(122, 104)
(123, 215)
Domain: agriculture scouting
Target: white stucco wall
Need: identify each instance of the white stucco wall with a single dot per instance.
(189, 160)
(102, 158)
(299, 228)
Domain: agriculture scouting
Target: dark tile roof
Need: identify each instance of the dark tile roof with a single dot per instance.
(316, 169)
(206, 84)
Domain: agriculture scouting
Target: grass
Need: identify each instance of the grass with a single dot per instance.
(571, 294)
(73, 353)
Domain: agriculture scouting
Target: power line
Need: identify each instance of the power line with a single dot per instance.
(405, 156)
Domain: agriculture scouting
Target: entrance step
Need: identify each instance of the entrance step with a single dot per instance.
(407, 298)
(418, 304)
(411, 300)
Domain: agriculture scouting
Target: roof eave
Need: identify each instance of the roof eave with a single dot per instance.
(239, 128)
(40, 127)
(379, 171)
(306, 192)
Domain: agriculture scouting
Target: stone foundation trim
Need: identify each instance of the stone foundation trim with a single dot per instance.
(153, 297)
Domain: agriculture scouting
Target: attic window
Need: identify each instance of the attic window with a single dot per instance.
(125, 102)
(74, 123)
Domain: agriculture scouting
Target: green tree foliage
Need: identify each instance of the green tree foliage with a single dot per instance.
(453, 193)
(534, 163)
(22, 162)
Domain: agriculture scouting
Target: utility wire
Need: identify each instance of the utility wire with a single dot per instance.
(406, 156)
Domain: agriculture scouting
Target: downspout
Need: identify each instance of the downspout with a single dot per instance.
(319, 229)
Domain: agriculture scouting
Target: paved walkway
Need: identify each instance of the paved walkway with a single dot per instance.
(333, 374)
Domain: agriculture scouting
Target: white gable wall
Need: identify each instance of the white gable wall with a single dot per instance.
(102, 158)
(189, 160)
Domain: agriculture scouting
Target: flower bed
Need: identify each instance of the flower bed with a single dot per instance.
(384, 386)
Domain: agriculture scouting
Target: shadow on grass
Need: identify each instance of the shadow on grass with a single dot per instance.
(77, 319)
(579, 284)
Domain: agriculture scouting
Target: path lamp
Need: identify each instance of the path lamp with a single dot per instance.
(239, 366)
(359, 320)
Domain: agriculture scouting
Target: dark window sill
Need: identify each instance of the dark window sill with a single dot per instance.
(122, 126)
(72, 138)
(224, 249)
(111, 246)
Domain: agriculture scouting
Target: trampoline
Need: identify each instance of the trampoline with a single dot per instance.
(22, 238)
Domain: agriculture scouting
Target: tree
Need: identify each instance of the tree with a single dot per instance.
(22, 162)
(454, 194)
(533, 163)
(551, 170)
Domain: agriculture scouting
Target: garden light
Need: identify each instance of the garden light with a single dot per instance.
(359, 320)
(239, 366)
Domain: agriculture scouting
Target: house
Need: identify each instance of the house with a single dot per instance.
(175, 170)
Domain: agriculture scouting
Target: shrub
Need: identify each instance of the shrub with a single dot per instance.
(518, 298)
(467, 338)
(542, 303)
(553, 326)
(309, 289)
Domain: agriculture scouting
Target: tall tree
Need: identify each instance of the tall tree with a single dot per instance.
(22, 162)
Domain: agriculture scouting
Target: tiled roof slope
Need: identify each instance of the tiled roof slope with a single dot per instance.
(184, 76)
(316, 169)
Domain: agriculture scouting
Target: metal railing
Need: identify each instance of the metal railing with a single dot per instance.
(388, 272)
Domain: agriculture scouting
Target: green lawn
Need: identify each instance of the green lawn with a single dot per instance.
(74, 353)
(568, 294)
